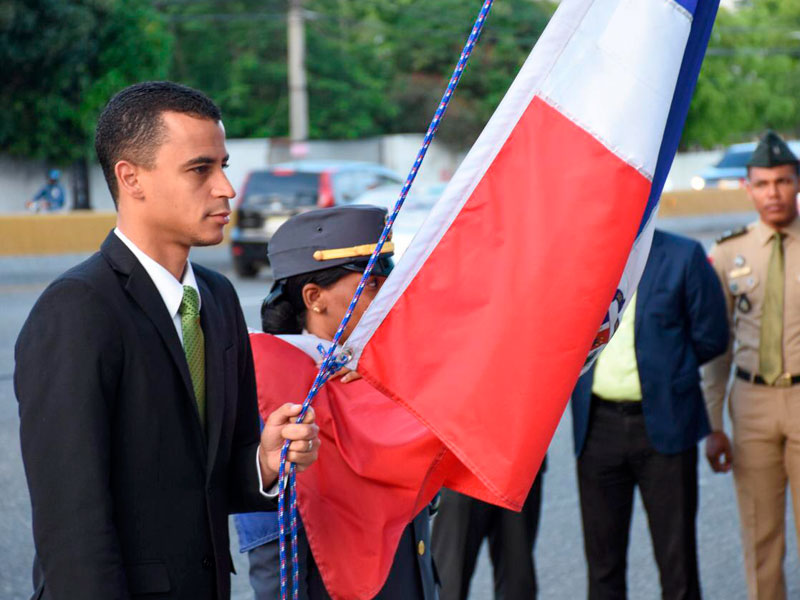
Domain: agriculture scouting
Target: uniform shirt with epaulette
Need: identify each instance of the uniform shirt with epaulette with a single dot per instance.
(740, 260)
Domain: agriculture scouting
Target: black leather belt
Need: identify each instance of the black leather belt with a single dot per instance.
(784, 380)
(626, 407)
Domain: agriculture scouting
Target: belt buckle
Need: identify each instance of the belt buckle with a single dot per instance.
(784, 380)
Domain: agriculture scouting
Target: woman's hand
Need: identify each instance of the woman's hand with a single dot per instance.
(346, 375)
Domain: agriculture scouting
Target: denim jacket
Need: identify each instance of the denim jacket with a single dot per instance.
(256, 529)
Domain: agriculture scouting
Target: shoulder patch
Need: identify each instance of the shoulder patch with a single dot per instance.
(732, 233)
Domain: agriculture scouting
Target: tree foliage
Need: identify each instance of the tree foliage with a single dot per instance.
(425, 44)
(374, 66)
(62, 60)
(750, 79)
(235, 51)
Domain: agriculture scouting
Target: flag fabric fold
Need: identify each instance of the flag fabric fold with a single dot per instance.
(512, 285)
(377, 468)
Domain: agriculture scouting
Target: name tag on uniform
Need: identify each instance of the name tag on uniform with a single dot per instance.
(740, 272)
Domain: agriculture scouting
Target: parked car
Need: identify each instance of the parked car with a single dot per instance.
(731, 170)
(415, 210)
(270, 196)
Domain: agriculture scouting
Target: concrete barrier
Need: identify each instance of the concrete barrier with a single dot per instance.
(71, 232)
(55, 233)
(59, 233)
(703, 202)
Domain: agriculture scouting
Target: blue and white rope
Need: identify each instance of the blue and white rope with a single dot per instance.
(331, 363)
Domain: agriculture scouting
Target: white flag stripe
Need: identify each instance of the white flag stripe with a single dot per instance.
(616, 77)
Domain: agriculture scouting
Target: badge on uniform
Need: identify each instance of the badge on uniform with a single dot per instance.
(744, 304)
(739, 272)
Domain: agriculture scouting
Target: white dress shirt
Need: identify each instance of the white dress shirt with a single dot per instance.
(169, 288)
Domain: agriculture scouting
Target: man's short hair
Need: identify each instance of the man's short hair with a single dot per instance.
(131, 127)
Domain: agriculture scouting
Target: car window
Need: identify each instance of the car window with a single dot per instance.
(733, 159)
(384, 179)
(367, 180)
(290, 189)
(345, 187)
(350, 185)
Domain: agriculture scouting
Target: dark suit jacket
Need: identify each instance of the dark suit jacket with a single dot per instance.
(680, 324)
(129, 496)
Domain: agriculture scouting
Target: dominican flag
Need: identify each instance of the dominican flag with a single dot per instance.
(510, 288)
(524, 265)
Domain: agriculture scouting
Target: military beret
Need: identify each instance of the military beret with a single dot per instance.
(343, 236)
(771, 151)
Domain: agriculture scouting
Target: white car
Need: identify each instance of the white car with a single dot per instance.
(415, 210)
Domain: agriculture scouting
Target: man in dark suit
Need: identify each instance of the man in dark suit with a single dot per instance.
(638, 415)
(140, 433)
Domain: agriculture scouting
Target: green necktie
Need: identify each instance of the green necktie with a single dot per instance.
(194, 347)
(770, 348)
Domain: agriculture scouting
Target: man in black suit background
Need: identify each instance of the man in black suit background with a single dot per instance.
(140, 433)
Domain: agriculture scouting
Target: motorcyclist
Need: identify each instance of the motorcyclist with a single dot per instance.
(51, 196)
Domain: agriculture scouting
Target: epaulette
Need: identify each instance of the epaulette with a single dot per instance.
(732, 233)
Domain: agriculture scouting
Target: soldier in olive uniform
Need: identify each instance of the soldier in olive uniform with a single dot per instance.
(759, 267)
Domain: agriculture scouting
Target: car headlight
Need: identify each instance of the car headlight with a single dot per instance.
(697, 183)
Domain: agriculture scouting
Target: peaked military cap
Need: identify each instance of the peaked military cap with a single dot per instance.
(343, 236)
(771, 151)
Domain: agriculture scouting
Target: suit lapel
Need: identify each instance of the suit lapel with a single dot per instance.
(141, 288)
(143, 291)
(211, 321)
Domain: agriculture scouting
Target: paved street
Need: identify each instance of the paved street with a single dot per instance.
(559, 552)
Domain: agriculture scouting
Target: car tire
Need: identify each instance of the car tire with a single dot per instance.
(244, 268)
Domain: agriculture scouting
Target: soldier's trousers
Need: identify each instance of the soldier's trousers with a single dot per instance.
(766, 457)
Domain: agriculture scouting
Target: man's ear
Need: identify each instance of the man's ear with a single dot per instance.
(128, 182)
(313, 297)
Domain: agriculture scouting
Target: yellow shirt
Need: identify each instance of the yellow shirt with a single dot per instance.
(616, 375)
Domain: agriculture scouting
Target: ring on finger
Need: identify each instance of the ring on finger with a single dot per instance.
(310, 445)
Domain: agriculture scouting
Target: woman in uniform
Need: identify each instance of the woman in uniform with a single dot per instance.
(318, 259)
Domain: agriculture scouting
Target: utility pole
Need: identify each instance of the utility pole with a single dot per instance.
(298, 94)
(80, 185)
